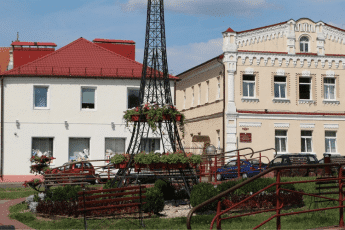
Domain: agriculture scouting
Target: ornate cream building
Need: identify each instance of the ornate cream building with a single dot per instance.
(278, 86)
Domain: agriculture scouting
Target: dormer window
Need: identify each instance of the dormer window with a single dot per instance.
(304, 44)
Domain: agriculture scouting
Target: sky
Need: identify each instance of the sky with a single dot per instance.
(193, 27)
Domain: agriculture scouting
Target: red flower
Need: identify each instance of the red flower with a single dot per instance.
(137, 109)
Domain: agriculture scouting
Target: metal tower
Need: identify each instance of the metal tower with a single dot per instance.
(155, 88)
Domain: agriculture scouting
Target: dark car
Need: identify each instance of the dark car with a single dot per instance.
(290, 159)
(249, 168)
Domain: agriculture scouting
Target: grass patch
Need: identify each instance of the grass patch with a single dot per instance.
(300, 221)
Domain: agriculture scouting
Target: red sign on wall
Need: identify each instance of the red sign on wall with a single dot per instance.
(246, 137)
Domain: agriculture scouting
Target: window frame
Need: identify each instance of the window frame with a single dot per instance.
(199, 96)
(303, 83)
(305, 144)
(131, 88)
(329, 84)
(52, 146)
(249, 81)
(329, 139)
(279, 84)
(48, 97)
(113, 139)
(207, 91)
(280, 137)
(81, 98)
(150, 141)
(303, 43)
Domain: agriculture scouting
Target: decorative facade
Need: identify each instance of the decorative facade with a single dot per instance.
(282, 85)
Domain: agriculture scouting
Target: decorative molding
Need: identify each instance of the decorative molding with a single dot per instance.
(250, 124)
(281, 125)
(331, 126)
(280, 72)
(249, 70)
(281, 100)
(303, 101)
(307, 125)
(334, 34)
(202, 118)
(330, 73)
(332, 102)
(305, 73)
(246, 99)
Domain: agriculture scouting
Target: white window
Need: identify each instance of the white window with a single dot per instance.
(281, 141)
(192, 96)
(40, 97)
(304, 44)
(88, 98)
(305, 88)
(199, 96)
(248, 85)
(306, 142)
(133, 99)
(42, 145)
(218, 85)
(114, 146)
(184, 99)
(279, 87)
(330, 142)
(79, 148)
(329, 84)
(151, 144)
(207, 90)
(218, 139)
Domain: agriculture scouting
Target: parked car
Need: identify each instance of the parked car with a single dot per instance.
(82, 168)
(102, 172)
(294, 159)
(249, 168)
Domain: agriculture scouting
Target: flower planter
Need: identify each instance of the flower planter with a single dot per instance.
(177, 166)
(166, 117)
(178, 117)
(135, 117)
(123, 165)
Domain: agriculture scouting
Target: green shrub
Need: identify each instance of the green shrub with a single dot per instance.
(203, 192)
(166, 188)
(181, 194)
(67, 193)
(154, 199)
(108, 185)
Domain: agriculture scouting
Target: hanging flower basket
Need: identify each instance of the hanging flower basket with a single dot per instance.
(135, 117)
(123, 165)
(166, 117)
(178, 117)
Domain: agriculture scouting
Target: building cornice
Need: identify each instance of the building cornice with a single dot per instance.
(202, 118)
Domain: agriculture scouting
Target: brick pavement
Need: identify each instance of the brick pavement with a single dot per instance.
(4, 212)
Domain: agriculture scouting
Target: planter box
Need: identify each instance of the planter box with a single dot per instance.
(178, 117)
(166, 117)
(137, 118)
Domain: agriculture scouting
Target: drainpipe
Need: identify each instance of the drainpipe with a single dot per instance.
(221, 62)
(2, 129)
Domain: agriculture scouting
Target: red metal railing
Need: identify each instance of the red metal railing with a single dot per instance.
(279, 203)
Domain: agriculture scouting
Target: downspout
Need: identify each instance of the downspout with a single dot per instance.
(221, 62)
(2, 129)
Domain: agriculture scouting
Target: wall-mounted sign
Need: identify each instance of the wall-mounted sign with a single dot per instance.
(246, 137)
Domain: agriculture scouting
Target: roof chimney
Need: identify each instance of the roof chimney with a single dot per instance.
(125, 48)
(24, 52)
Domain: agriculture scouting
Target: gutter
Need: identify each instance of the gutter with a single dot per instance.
(2, 129)
(221, 62)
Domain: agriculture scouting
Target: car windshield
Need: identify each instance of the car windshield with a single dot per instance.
(87, 165)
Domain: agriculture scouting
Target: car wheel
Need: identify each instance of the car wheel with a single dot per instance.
(244, 175)
(219, 177)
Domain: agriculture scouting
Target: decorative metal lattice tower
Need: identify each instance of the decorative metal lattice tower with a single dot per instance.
(155, 89)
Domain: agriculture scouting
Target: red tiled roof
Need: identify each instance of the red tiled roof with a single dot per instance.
(113, 41)
(259, 28)
(4, 58)
(82, 58)
(254, 51)
(33, 44)
(230, 30)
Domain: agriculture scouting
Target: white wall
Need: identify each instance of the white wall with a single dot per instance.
(64, 105)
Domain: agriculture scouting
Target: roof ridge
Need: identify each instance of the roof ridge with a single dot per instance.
(263, 27)
(334, 27)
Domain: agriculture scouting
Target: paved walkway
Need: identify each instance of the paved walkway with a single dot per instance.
(4, 212)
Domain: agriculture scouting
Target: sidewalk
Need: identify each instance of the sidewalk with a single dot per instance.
(4, 212)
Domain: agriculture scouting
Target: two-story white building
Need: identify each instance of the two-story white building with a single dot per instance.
(69, 101)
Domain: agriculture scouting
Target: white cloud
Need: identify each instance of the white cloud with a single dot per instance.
(217, 8)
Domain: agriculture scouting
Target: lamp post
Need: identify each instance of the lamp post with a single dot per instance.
(210, 151)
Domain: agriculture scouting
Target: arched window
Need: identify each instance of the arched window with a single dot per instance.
(304, 44)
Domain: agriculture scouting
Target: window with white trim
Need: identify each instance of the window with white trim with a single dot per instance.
(248, 85)
(329, 88)
(133, 99)
(114, 146)
(88, 98)
(280, 141)
(306, 142)
(207, 90)
(199, 94)
(184, 99)
(42, 146)
(192, 96)
(151, 145)
(305, 88)
(279, 87)
(218, 86)
(330, 142)
(40, 97)
(304, 44)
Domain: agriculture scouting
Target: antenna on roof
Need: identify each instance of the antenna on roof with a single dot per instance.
(17, 37)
